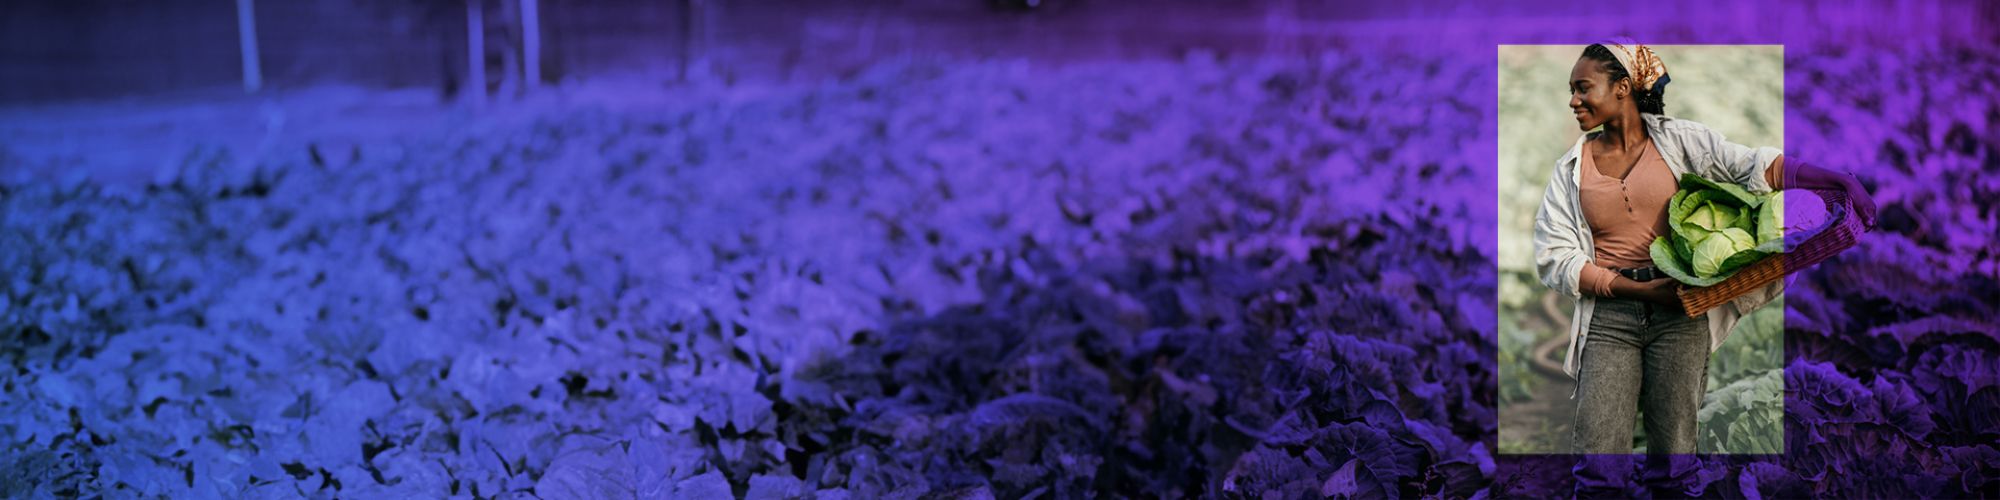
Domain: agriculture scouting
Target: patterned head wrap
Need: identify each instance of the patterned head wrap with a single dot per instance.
(1646, 68)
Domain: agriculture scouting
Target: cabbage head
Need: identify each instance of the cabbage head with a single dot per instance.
(1713, 231)
(1714, 217)
(1771, 219)
(1711, 254)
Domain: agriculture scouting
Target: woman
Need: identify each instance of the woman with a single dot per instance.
(1632, 348)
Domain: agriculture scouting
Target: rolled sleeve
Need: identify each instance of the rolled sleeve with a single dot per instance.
(1597, 280)
(1559, 257)
(1740, 164)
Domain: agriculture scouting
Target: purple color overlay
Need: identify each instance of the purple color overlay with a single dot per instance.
(1330, 333)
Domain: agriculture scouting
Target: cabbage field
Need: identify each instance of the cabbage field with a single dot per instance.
(934, 279)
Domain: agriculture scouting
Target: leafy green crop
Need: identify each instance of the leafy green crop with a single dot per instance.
(1713, 217)
(1710, 254)
(1715, 230)
(1771, 220)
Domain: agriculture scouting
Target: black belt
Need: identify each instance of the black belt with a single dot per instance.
(1642, 275)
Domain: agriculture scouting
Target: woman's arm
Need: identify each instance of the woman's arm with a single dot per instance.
(1738, 164)
(1660, 291)
(1748, 166)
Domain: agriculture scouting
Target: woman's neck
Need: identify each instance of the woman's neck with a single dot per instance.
(1624, 133)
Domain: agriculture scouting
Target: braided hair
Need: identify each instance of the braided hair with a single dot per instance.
(1649, 100)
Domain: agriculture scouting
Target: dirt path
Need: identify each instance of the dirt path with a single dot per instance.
(1543, 421)
(1547, 416)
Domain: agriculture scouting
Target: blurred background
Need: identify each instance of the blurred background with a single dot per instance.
(116, 83)
(1736, 90)
(743, 249)
(113, 48)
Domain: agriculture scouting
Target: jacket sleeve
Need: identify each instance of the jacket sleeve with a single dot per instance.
(1735, 163)
(1559, 257)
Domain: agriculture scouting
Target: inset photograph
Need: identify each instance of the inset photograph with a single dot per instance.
(1642, 248)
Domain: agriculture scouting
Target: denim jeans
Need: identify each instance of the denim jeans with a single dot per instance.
(1639, 356)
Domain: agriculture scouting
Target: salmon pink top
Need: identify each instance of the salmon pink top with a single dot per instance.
(1626, 214)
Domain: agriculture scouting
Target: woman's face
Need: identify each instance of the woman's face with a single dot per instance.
(1592, 97)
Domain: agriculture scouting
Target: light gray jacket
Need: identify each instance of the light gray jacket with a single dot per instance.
(1562, 236)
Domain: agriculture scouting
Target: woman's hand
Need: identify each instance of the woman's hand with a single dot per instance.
(1864, 205)
(1799, 174)
(1663, 291)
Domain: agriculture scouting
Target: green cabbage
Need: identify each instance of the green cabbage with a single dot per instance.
(1770, 220)
(1681, 220)
(1715, 230)
(1736, 195)
(1710, 254)
(1713, 218)
(1746, 218)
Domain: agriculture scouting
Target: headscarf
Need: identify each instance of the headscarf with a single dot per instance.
(1646, 68)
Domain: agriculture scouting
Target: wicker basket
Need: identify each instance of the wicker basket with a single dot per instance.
(1840, 236)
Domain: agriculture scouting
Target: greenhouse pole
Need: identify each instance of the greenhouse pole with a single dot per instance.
(689, 9)
(246, 36)
(531, 43)
(475, 51)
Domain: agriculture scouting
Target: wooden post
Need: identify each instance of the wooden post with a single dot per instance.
(246, 36)
(531, 43)
(475, 51)
(690, 13)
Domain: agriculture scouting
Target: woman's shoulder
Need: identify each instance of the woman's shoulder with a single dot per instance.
(1681, 138)
(1675, 127)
